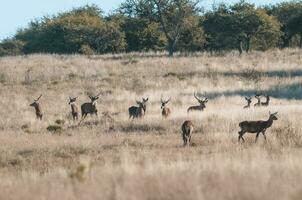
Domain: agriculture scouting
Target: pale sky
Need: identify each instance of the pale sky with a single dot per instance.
(16, 14)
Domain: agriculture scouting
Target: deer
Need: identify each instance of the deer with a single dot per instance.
(258, 96)
(187, 129)
(267, 101)
(200, 107)
(37, 107)
(256, 126)
(165, 110)
(138, 111)
(90, 107)
(249, 101)
(74, 108)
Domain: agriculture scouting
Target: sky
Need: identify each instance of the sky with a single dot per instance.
(16, 14)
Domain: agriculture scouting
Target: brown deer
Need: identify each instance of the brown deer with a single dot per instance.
(37, 107)
(258, 96)
(138, 111)
(165, 110)
(256, 127)
(267, 101)
(249, 101)
(90, 107)
(200, 107)
(187, 129)
(74, 108)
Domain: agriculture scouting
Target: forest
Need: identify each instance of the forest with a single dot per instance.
(161, 25)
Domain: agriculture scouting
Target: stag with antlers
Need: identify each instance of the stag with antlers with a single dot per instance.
(249, 101)
(90, 107)
(266, 103)
(200, 107)
(74, 108)
(138, 111)
(165, 110)
(256, 126)
(37, 107)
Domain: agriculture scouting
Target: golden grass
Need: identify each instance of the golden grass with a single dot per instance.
(112, 157)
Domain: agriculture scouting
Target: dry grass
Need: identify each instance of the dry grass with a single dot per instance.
(112, 157)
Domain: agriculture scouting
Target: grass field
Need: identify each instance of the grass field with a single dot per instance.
(112, 157)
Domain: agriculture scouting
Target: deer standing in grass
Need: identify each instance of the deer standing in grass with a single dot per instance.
(200, 107)
(138, 111)
(267, 101)
(249, 101)
(37, 107)
(165, 110)
(257, 96)
(90, 107)
(187, 129)
(74, 108)
(256, 127)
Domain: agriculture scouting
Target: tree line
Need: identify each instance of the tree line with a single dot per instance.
(159, 25)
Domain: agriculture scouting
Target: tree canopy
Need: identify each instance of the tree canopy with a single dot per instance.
(159, 25)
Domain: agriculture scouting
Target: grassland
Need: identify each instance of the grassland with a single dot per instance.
(112, 157)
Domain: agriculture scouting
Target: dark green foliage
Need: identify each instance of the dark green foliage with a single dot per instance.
(11, 47)
(287, 14)
(158, 25)
(77, 31)
(240, 26)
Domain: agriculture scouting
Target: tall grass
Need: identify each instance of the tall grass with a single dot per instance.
(112, 157)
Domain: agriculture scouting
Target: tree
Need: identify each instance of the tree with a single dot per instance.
(241, 25)
(218, 27)
(286, 12)
(295, 27)
(174, 17)
(73, 31)
(11, 47)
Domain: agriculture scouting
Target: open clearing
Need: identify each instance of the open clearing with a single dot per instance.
(112, 157)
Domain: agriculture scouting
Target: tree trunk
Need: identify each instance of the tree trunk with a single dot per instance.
(171, 47)
(240, 48)
(248, 44)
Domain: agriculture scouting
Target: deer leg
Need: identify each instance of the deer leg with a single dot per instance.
(83, 117)
(188, 140)
(184, 139)
(257, 136)
(241, 133)
(263, 133)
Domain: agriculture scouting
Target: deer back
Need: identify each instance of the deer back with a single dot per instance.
(187, 128)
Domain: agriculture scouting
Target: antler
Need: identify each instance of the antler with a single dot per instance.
(98, 94)
(168, 100)
(38, 98)
(196, 97)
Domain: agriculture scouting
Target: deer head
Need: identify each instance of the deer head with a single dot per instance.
(201, 102)
(164, 103)
(272, 116)
(94, 98)
(248, 99)
(142, 104)
(36, 102)
(72, 100)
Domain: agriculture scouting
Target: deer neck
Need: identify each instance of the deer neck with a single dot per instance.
(73, 106)
(269, 122)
